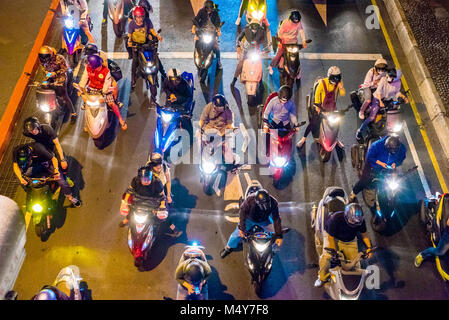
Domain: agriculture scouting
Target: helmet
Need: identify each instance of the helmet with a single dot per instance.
(90, 48)
(145, 174)
(30, 124)
(45, 294)
(23, 155)
(46, 54)
(94, 61)
(209, 5)
(219, 101)
(295, 16)
(354, 215)
(392, 144)
(194, 273)
(285, 92)
(174, 74)
(334, 74)
(381, 64)
(156, 159)
(254, 26)
(392, 73)
(139, 12)
(263, 200)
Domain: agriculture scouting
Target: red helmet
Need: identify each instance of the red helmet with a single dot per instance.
(139, 11)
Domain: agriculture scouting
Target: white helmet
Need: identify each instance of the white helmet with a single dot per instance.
(381, 63)
(334, 74)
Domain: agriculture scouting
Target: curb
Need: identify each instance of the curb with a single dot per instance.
(421, 74)
(20, 91)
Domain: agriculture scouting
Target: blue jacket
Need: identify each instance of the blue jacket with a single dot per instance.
(377, 151)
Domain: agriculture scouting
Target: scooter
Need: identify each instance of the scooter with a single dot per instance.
(98, 118)
(196, 253)
(116, 13)
(169, 120)
(54, 114)
(342, 271)
(251, 75)
(327, 136)
(68, 281)
(290, 65)
(381, 196)
(42, 201)
(434, 214)
(148, 65)
(145, 219)
(204, 51)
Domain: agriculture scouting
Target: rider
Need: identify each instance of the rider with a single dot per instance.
(280, 111)
(162, 172)
(140, 30)
(438, 251)
(177, 90)
(32, 160)
(207, 17)
(371, 82)
(386, 153)
(326, 95)
(56, 68)
(252, 36)
(288, 34)
(192, 272)
(81, 5)
(144, 185)
(387, 90)
(340, 233)
(98, 79)
(259, 208)
(45, 135)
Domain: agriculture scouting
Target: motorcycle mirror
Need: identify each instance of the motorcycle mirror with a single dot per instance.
(159, 31)
(301, 123)
(308, 40)
(285, 230)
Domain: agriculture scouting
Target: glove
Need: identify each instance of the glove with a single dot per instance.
(279, 242)
(172, 98)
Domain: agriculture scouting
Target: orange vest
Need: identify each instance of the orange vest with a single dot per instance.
(97, 77)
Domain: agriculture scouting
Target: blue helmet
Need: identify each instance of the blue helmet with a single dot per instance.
(45, 294)
(354, 215)
(94, 61)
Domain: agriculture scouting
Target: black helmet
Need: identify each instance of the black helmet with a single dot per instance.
(219, 101)
(23, 155)
(263, 200)
(30, 124)
(392, 73)
(145, 174)
(254, 26)
(156, 159)
(90, 48)
(285, 92)
(354, 215)
(295, 16)
(392, 144)
(194, 273)
(209, 5)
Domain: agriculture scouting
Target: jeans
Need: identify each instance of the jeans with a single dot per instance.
(440, 249)
(235, 239)
(375, 106)
(365, 179)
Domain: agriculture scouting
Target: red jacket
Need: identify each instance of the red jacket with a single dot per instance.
(97, 77)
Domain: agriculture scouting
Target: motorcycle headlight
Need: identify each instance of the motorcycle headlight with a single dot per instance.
(37, 208)
(258, 15)
(280, 162)
(166, 117)
(207, 38)
(292, 49)
(393, 184)
(68, 22)
(207, 167)
(150, 64)
(261, 247)
(333, 119)
(45, 107)
(254, 56)
(140, 219)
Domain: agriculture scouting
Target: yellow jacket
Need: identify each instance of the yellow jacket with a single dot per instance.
(320, 93)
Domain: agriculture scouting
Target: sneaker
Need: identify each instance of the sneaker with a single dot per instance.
(124, 126)
(73, 118)
(75, 202)
(224, 252)
(318, 283)
(418, 260)
(123, 223)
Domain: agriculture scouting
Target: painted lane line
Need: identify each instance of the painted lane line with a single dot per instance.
(416, 159)
(248, 179)
(412, 102)
(233, 55)
(27, 220)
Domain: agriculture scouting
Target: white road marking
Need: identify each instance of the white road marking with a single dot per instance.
(233, 55)
(27, 220)
(416, 159)
(248, 179)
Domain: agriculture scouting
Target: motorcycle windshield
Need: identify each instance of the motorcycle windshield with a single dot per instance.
(71, 38)
(148, 55)
(96, 117)
(115, 8)
(46, 99)
(329, 135)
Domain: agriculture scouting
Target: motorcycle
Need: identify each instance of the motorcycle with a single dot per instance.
(68, 281)
(54, 114)
(251, 75)
(290, 65)
(380, 127)
(381, 196)
(169, 120)
(42, 201)
(434, 214)
(204, 51)
(116, 13)
(194, 252)
(148, 64)
(342, 271)
(145, 219)
(98, 118)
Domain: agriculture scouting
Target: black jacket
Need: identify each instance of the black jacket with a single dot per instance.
(201, 18)
(182, 91)
(250, 210)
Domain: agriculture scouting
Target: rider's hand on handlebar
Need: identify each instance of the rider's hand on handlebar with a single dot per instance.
(278, 242)
(172, 98)
(64, 164)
